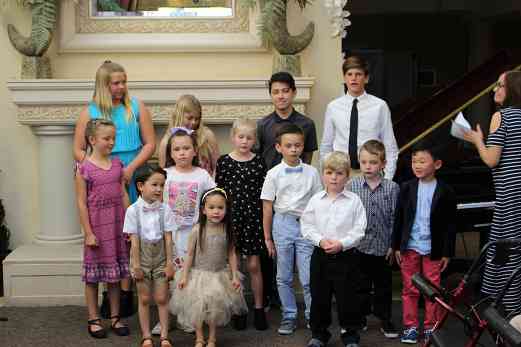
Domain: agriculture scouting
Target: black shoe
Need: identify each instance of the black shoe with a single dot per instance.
(100, 334)
(389, 330)
(315, 343)
(120, 331)
(239, 322)
(104, 310)
(364, 324)
(126, 303)
(259, 319)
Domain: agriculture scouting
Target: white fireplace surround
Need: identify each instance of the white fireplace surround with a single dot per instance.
(47, 271)
(58, 102)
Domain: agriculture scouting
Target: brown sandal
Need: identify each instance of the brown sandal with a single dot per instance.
(199, 343)
(145, 339)
(165, 339)
(211, 343)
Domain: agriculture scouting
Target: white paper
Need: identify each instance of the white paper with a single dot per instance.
(459, 126)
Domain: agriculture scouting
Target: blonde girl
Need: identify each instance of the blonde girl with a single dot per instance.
(134, 145)
(102, 201)
(188, 114)
(209, 289)
(241, 174)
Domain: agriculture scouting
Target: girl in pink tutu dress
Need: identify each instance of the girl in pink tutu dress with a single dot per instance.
(102, 200)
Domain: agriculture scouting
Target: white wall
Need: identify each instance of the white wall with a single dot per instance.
(18, 147)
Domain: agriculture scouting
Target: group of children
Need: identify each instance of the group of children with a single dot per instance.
(342, 234)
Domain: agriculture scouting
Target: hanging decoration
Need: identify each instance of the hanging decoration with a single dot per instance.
(339, 17)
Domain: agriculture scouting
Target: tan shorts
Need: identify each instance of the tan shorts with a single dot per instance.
(153, 262)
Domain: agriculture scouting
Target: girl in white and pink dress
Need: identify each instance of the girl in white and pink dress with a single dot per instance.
(184, 186)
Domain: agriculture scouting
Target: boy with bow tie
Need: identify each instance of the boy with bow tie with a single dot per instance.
(286, 191)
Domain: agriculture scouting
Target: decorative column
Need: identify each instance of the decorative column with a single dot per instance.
(58, 212)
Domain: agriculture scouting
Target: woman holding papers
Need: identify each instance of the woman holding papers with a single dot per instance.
(502, 153)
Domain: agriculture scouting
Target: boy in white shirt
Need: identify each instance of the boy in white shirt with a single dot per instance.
(286, 191)
(150, 223)
(357, 117)
(335, 221)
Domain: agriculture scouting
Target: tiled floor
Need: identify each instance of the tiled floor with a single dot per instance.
(66, 326)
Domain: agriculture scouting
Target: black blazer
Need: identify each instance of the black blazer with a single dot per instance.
(443, 218)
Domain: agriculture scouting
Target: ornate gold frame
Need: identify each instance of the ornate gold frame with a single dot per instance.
(80, 32)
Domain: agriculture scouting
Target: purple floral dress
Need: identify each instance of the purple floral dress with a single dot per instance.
(109, 262)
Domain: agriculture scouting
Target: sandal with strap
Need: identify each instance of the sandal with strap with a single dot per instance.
(211, 343)
(167, 341)
(98, 334)
(199, 343)
(120, 331)
(145, 339)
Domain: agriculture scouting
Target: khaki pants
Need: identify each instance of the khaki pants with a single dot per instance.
(153, 262)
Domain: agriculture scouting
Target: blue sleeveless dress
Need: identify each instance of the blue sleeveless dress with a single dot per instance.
(128, 136)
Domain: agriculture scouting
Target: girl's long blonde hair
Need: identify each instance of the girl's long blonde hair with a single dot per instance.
(189, 103)
(102, 96)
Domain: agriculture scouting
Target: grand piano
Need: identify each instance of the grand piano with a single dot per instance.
(429, 120)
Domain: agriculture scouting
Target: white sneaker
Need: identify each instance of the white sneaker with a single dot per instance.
(156, 330)
(186, 329)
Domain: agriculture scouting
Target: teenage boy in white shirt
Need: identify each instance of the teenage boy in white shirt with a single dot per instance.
(335, 221)
(287, 189)
(354, 118)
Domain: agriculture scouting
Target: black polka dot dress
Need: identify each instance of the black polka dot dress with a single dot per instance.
(243, 181)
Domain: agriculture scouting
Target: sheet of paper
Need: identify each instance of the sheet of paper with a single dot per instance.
(459, 126)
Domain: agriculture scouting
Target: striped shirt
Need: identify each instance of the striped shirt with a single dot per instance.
(380, 205)
(507, 212)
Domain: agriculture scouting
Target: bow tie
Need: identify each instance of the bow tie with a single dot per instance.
(297, 169)
(152, 208)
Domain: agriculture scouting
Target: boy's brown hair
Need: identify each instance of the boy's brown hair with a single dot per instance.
(355, 62)
(288, 128)
(374, 147)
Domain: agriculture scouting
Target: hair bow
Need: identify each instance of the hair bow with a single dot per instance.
(216, 189)
(177, 129)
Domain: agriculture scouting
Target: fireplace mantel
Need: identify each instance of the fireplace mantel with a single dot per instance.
(59, 102)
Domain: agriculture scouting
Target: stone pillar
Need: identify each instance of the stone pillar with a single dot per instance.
(58, 212)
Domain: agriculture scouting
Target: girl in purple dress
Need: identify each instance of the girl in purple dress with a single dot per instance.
(102, 200)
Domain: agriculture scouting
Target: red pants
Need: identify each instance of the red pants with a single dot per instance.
(413, 262)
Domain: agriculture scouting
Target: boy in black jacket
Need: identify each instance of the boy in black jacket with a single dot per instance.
(425, 218)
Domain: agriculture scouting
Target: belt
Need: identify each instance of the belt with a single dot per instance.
(337, 255)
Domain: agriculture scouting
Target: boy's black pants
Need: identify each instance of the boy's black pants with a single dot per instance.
(375, 274)
(338, 275)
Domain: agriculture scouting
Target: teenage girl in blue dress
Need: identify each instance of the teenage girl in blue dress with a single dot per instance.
(135, 140)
